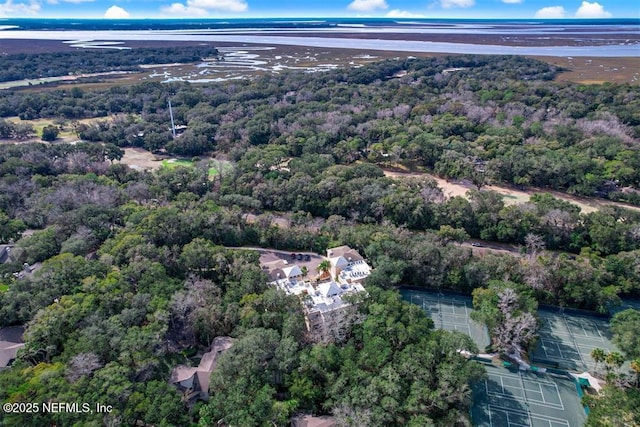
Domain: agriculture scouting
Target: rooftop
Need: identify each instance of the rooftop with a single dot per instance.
(323, 295)
(207, 365)
(10, 342)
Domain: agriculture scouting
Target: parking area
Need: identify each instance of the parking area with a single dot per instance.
(450, 312)
(524, 398)
(566, 340)
(309, 260)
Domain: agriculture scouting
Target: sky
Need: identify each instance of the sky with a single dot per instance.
(481, 9)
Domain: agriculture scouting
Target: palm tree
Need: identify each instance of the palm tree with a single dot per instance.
(598, 355)
(323, 267)
(614, 359)
(635, 367)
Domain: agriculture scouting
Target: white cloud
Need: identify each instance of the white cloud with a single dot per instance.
(69, 1)
(116, 12)
(178, 9)
(227, 5)
(397, 13)
(204, 7)
(367, 5)
(512, 1)
(551, 12)
(449, 4)
(9, 8)
(592, 10)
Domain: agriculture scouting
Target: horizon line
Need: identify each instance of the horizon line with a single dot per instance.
(162, 18)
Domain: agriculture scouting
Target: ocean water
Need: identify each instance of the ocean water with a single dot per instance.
(44, 24)
(288, 32)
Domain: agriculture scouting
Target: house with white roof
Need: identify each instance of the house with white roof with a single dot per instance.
(347, 265)
(327, 303)
(329, 311)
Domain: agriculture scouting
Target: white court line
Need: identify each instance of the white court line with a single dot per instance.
(467, 331)
(599, 333)
(544, 344)
(547, 418)
(517, 387)
(558, 394)
(563, 355)
(575, 344)
(544, 348)
(560, 334)
(460, 317)
(570, 333)
(543, 403)
(523, 389)
(509, 412)
(589, 347)
(590, 336)
(583, 329)
(509, 423)
(456, 327)
(517, 378)
(490, 420)
(541, 393)
(561, 404)
(526, 401)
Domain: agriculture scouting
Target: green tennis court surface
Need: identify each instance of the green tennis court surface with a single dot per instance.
(515, 399)
(567, 340)
(450, 312)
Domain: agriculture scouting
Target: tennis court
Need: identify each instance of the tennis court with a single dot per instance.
(524, 398)
(567, 340)
(450, 312)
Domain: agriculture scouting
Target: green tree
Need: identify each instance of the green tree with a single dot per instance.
(613, 407)
(625, 327)
(449, 234)
(10, 228)
(508, 314)
(598, 355)
(113, 152)
(323, 267)
(613, 360)
(50, 133)
(203, 258)
(635, 367)
(244, 383)
(39, 246)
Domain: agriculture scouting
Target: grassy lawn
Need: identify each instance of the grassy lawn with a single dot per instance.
(65, 133)
(218, 166)
(174, 163)
(215, 166)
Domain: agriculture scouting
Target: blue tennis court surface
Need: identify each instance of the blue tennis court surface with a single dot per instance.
(450, 312)
(567, 340)
(523, 398)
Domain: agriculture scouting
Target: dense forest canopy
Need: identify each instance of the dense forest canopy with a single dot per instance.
(483, 118)
(133, 275)
(19, 66)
